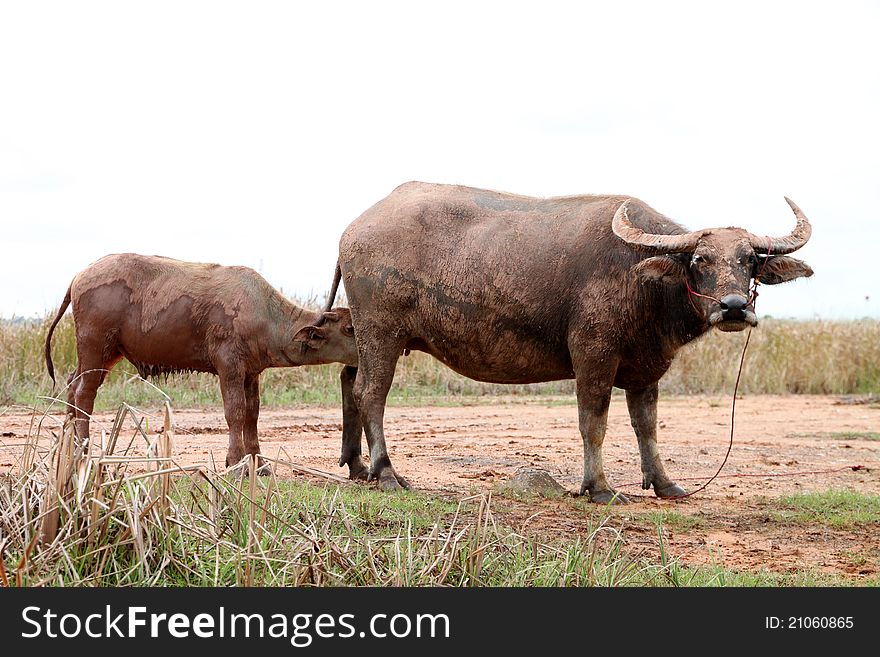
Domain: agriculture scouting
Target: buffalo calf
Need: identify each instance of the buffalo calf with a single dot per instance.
(167, 316)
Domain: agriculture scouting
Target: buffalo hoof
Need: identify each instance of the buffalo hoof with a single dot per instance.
(608, 497)
(389, 480)
(357, 471)
(263, 469)
(243, 467)
(669, 490)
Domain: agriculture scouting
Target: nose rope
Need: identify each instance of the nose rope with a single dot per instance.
(753, 292)
(742, 359)
(753, 288)
(697, 294)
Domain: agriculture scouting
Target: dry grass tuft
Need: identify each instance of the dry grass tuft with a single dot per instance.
(99, 514)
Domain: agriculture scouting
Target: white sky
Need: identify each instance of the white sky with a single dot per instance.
(254, 132)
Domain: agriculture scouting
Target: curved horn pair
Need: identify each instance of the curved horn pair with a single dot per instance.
(687, 242)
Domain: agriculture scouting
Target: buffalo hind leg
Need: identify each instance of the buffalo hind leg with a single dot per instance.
(72, 386)
(90, 374)
(593, 401)
(352, 428)
(252, 415)
(642, 405)
(375, 373)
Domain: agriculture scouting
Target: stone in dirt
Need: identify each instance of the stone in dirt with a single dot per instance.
(534, 481)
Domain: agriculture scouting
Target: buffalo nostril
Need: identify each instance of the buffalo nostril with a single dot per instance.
(733, 306)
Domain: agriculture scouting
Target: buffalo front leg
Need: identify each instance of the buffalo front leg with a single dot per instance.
(235, 408)
(593, 401)
(375, 373)
(252, 415)
(352, 428)
(642, 405)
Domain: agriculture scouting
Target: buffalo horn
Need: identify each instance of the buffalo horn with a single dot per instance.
(791, 242)
(648, 242)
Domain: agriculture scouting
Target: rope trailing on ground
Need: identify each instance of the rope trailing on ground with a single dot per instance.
(730, 447)
(742, 360)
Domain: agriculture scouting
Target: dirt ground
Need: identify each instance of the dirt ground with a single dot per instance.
(783, 444)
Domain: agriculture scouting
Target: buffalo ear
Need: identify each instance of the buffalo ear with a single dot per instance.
(312, 337)
(780, 269)
(666, 269)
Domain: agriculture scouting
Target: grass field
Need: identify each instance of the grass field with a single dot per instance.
(815, 357)
(70, 517)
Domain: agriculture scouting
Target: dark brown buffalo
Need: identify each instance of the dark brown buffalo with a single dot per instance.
(168, 316)
(512, 289)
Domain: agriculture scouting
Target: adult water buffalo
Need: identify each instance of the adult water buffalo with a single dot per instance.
(511, 289)
(167, 316)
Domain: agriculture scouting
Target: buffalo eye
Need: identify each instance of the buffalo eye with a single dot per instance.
(698, 259)
(754, 264)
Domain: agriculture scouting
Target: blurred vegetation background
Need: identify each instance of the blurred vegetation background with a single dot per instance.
(784, 356)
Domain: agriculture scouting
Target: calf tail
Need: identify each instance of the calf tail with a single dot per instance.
(61, 310)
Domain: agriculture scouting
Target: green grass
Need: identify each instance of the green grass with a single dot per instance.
(370, 509)
(834, 508)
(820, 357)
(678, 575)
(856, 435)
(672, 520)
